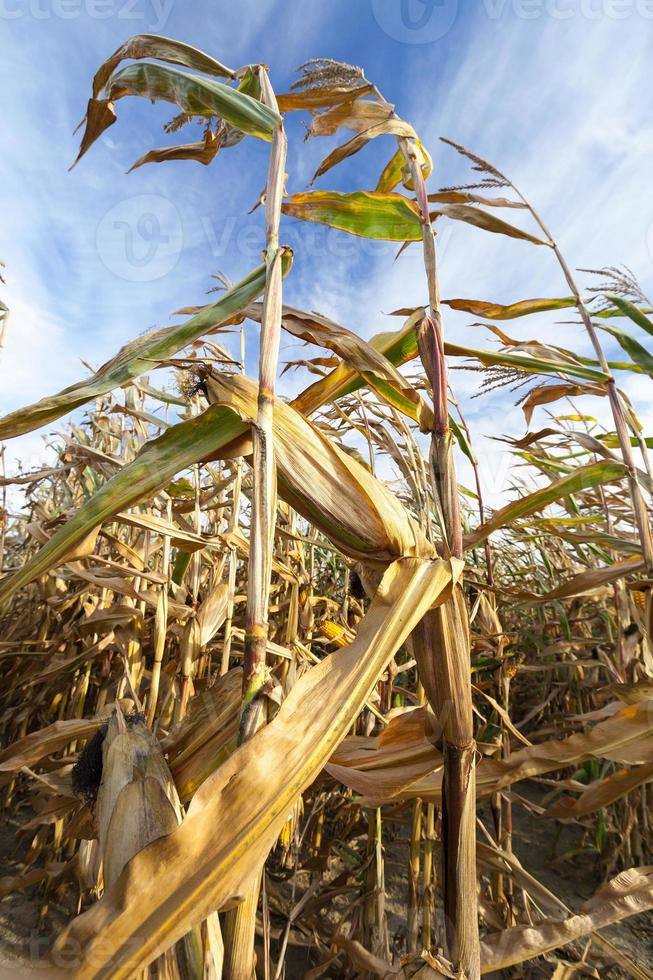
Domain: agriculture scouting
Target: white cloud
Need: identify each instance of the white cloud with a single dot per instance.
(561, 105)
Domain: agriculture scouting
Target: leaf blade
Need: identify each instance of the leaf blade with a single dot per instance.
(368, 214)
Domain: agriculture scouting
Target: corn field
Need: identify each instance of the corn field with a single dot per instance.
(263, 657)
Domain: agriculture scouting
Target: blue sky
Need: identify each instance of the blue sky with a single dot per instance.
(555, 92)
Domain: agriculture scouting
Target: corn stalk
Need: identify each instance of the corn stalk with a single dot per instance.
(441, 645)
(240, 926)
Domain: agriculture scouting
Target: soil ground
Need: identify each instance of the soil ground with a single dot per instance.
(551, 851)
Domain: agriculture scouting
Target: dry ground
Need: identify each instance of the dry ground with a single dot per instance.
(549, 850)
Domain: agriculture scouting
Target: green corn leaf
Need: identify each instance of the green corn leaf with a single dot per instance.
(582, 478)
(633, 348)
(463, 442)
(396, 171)
(137, 357)
(195, 95)
(632, 311)
(368, 214)
(532, 365)
(156, 464)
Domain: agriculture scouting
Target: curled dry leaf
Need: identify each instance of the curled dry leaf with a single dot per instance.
(203, 151)
(388, 127)
(326, 485)
(236, 816)
(367, 360)
(386, 771)
(163, 49)
(499, 311)
(486, 221)
(627, 894)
